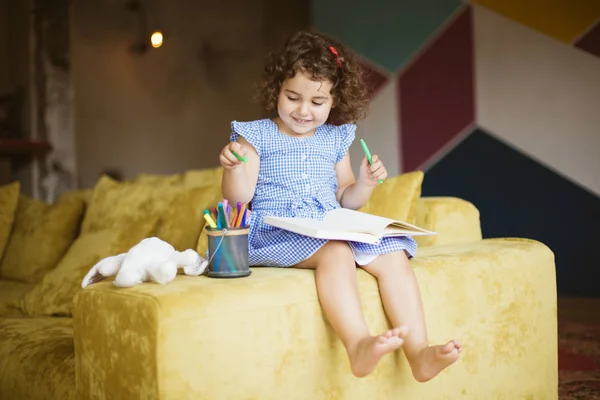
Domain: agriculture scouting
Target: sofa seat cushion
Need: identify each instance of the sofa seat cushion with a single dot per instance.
(11, 293)
(37, 358)
(265, 336)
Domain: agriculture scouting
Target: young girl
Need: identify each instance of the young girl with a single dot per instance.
(298, 166)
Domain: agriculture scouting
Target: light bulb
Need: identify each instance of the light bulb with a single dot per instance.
(156, 39)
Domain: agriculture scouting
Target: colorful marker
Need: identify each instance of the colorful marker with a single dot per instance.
(240, 216)
(236, 214)
(226, 212)
(245, 218)
(241, 158)
(222, 217)
(368, 154)
(209, 220)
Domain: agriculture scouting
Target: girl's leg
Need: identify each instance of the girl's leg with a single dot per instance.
(337, 287)
(402, 302)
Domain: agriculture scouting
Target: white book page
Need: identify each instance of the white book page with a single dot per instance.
(348, 220)
(315, 228)
(356, 221)
(346, 224)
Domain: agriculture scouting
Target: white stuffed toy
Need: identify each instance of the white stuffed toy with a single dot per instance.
(150, 260)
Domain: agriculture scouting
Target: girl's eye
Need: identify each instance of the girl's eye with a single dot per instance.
(292, 98)
(317, 104)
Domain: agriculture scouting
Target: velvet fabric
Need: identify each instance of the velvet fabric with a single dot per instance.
(455, 221)
(397, 197)
(9, 198)
(37, 360)
(11, 293)
(53, 295)
(41, 235)
(203, 177)
(265, 337)
(82, 194)
(179, 209)
(190, 179)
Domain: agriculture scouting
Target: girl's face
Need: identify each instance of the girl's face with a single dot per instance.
(304, 104)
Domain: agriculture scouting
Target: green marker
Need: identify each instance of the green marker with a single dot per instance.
(241, 158)
(368, 154)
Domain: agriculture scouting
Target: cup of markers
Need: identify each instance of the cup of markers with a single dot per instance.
(227, 230)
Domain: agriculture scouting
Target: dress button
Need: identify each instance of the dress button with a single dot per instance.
(304, 176)
(307, 187)
(303, 157)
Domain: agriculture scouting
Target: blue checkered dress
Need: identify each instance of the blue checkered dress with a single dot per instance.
(297, 179)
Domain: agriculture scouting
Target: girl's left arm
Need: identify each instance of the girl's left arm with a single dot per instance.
(354, 193)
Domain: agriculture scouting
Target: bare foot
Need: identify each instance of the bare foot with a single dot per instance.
(368, 351)
(434, 359)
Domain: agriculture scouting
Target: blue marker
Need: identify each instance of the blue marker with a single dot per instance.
(222, 219)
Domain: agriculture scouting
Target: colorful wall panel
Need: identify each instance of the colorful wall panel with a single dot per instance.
(563, 20)
(539, 95)
(498, 104)
(387, 33)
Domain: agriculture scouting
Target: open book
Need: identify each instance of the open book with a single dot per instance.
(349, 225)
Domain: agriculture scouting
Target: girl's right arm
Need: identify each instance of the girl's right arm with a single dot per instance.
(239, 179)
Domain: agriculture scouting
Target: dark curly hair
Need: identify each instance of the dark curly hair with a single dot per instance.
(308, 52)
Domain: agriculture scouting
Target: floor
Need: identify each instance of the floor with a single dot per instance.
(579, 348)
(579, 310)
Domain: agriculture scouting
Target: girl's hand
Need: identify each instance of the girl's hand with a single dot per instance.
(370, 174)
(227, 159)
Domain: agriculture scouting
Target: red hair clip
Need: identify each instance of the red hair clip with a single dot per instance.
(337, 56)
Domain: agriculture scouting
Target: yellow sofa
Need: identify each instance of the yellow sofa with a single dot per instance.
(265, 337)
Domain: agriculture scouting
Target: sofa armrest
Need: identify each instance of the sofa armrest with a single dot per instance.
(455, 220)
(265, 337)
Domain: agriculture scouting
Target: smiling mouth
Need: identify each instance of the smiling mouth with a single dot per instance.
(302, 121)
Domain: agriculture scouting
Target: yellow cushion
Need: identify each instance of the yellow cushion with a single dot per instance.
(9, 197)
(113, 203)
(203, 177)
(11, 293)
(455, 221)
(37, 358)
(54, 294)
(160, 180)
(397, 197)
(82, 194)
(41, 235)
(178, 209)
(192, 178)
(183, 219)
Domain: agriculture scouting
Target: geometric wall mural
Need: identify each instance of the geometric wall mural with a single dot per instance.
(436, 99)
(539, 95)
(518, 197)
(563, 20)
(384, 32)
(497, 102)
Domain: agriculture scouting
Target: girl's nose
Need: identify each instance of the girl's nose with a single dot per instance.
(303, 110)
